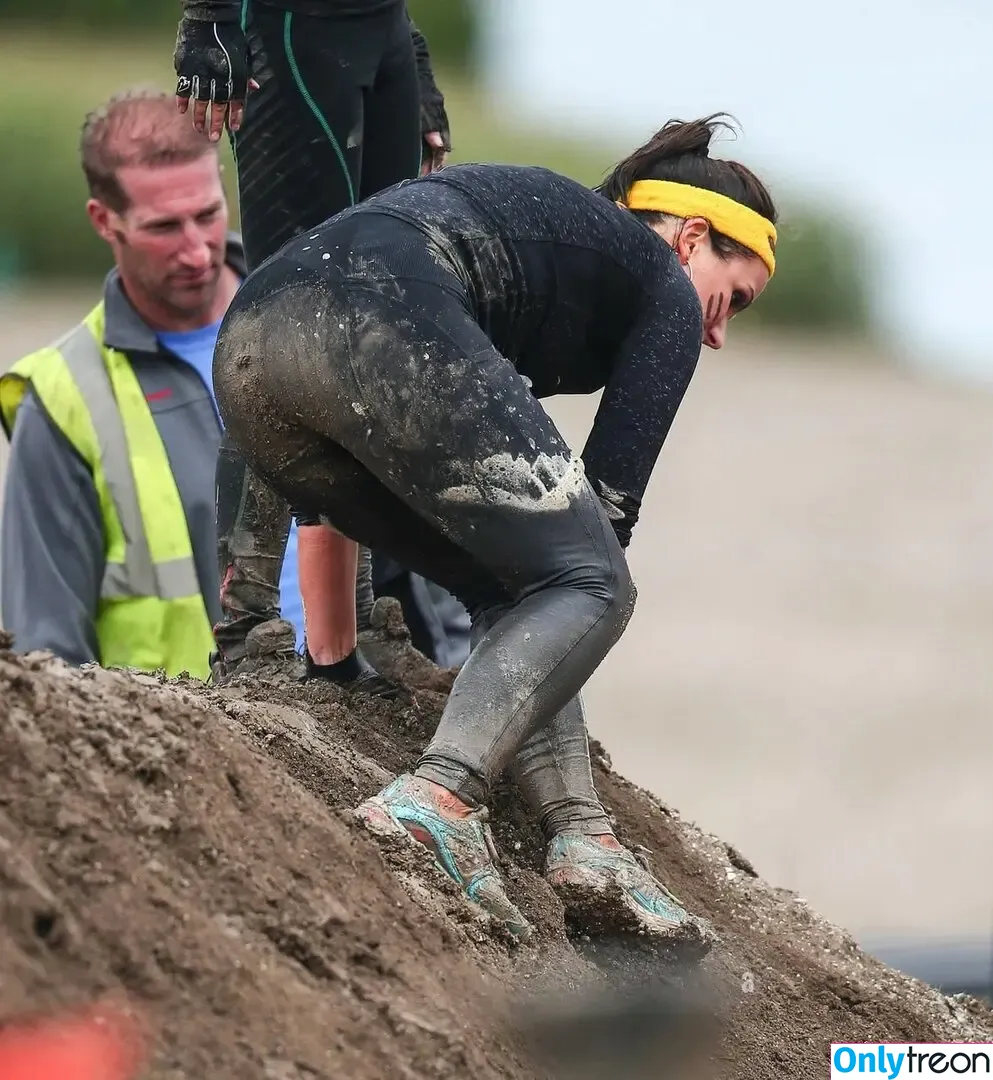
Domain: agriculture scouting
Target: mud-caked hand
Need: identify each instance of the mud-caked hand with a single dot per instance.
(212, 69)
(436, 138)
(621, 509)
(355, 674)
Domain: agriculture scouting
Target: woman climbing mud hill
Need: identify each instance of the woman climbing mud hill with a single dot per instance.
(384, 371)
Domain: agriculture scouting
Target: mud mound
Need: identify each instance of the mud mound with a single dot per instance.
(192, 848)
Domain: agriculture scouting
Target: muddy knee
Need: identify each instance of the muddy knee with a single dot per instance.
(604, 576)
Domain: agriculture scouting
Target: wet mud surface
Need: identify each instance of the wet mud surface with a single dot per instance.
(192, 849)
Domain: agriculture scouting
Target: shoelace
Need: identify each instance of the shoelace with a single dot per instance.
(642, 861)
(483, 816)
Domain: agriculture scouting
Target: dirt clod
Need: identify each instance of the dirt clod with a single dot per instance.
(193, 850)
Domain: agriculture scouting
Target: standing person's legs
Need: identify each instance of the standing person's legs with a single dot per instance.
(391, 128)
(297, 164)
(299, 156)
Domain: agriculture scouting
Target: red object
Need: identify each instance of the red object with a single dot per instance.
(105, 1043)
(159, 395)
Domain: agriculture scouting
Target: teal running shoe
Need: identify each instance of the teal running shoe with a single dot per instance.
(607, 891)
(457, 836)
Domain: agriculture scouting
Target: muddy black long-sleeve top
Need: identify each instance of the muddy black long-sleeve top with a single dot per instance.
(578, 293)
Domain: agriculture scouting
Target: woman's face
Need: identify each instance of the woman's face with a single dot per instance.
(725, 286)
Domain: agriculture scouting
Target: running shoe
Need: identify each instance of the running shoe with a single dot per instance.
(607, 890)
(457, 836)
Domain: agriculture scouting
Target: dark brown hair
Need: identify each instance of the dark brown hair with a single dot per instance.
(681, 152)
(135, 127)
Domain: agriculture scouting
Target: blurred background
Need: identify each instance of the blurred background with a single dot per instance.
(808, 673)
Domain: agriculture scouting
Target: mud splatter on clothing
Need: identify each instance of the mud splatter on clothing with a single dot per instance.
(577, 293)
(383, 371)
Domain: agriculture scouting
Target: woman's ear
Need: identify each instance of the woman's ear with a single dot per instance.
(692, 233)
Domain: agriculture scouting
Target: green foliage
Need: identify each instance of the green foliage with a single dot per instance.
(820, 284)
(42, 224)
(450, 28)
(448, 25)
(95, 15)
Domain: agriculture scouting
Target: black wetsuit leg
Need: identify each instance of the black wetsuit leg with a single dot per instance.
(391, 412)
(336, 119)
(555, 775)
(553, 769)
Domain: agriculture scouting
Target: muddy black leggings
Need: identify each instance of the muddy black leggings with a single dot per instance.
(336, 119)
(388, 410)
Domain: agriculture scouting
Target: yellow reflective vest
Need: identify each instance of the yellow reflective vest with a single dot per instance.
(150, 614)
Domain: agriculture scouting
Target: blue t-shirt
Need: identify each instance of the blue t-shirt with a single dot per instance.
(196, 347)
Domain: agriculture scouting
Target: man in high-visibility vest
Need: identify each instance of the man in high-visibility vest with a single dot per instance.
(108, 539)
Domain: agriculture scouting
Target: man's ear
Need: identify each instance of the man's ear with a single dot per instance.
(99, 215)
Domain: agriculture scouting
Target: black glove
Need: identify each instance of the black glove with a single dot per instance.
(212, 64)
(433, 115)
(354, 673)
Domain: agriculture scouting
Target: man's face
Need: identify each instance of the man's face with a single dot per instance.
(169, 243)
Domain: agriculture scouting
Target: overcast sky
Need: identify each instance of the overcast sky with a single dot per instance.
(887, 107)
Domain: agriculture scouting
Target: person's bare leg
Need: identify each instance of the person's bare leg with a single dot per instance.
(335, 577)
(327, 565)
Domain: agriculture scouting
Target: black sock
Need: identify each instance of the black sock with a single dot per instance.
(342, 671)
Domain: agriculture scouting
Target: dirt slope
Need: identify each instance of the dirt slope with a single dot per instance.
(190, 847)
(815, 595)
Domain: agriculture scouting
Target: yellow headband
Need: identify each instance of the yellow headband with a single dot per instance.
(731, 218)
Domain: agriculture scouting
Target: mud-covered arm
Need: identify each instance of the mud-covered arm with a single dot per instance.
(433, 115)
(651, 372)
(51, 542)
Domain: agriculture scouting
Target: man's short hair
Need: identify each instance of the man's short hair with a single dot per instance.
(136, 127)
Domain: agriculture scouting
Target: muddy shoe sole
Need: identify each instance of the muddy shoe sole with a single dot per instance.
(373, 817)
(598, 907)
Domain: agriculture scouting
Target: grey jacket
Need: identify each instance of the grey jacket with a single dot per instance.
(51, 532)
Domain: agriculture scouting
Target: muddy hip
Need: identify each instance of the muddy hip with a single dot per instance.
(334, 386)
